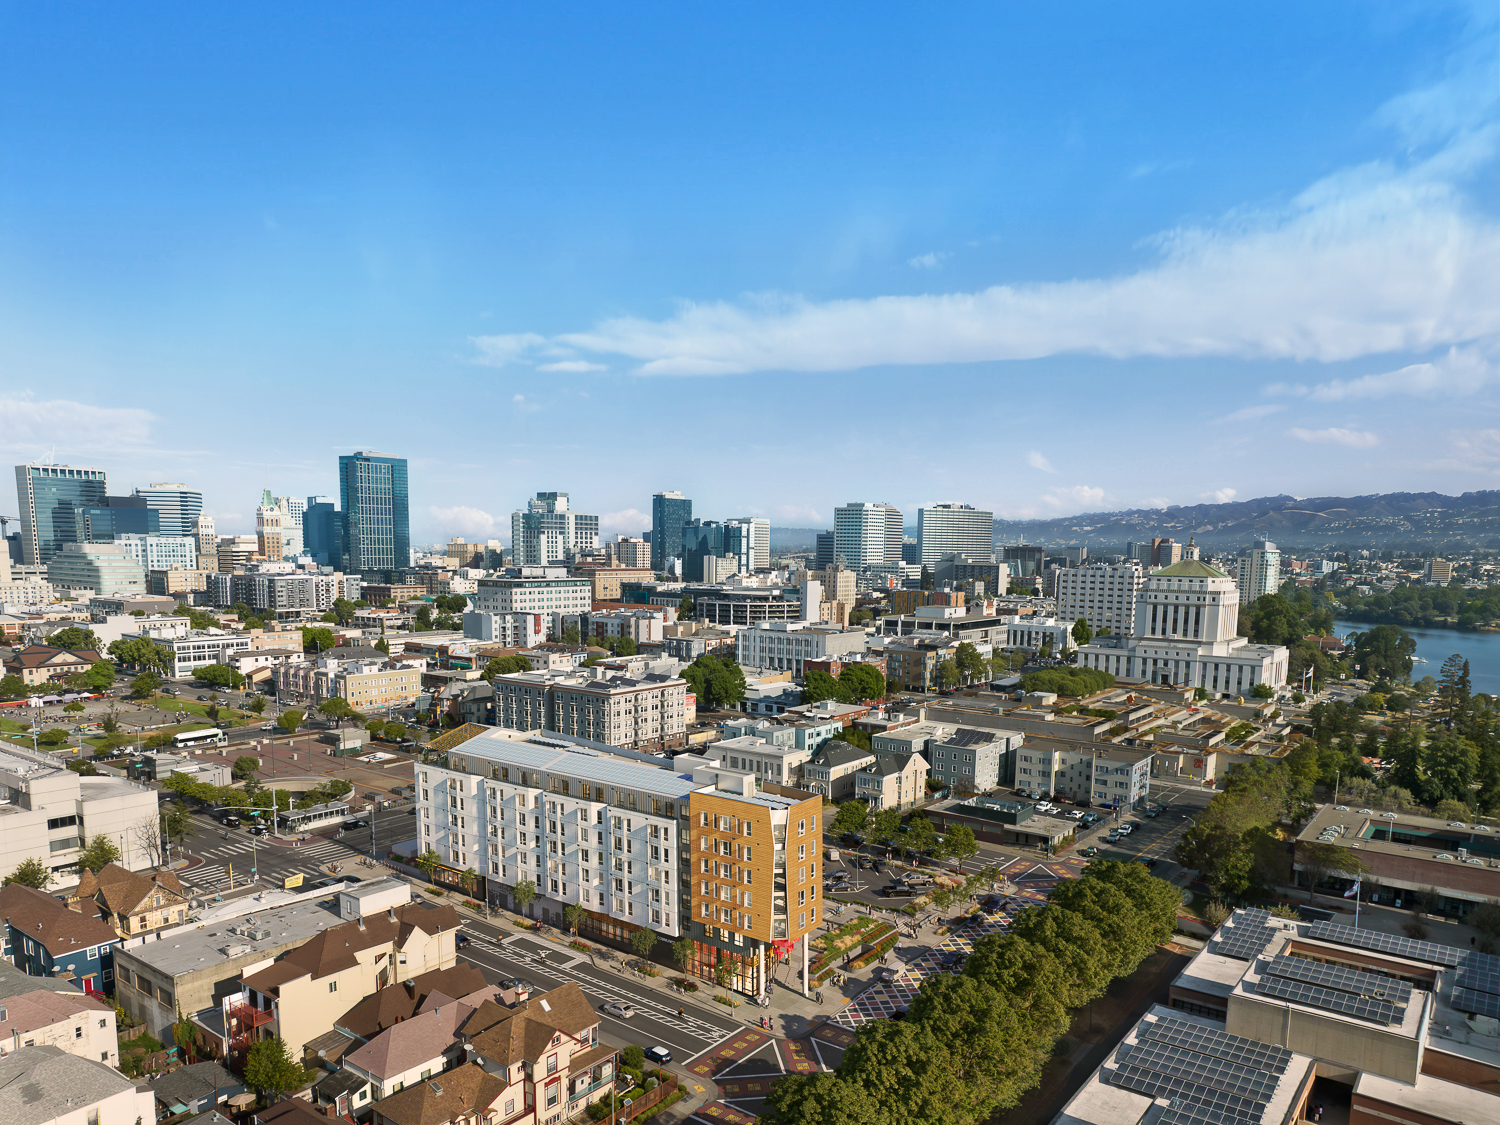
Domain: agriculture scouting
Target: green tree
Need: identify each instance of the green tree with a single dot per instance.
(12, 687)
(1263, 691)
(971, 666)
(1384, 652)
(821, 1099)
(73, 708)
(1114, 917)
(644, 940)
(220, 676)
(395, 732)
(101, 675)
(317, 640)
(290, 720)
(1155, 900)
(862, 681)
(270, 1068)
(427, 862)
(244, 767)
(101, 851)
(1454, 690)
(818, 686)
(851, 817)
(1452, 763)
(53, 737)
(525, 892)
(947, 673)
(30, 873)
(74, 639)
(1320, 862)
(337, 709)
(1082, 633)
(423, 620)
(1029, 976)
(718, 683)
(258, 704)
(884, 824)
(145, 685)
(505, 666)
(960, 842)
(1076, 944)
(571, 636)
(682, 952)
(1071, 682)
(574, 914)
(685, 608)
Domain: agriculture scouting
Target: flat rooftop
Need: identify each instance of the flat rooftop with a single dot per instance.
(1404, 834)
(188, 950)
(515, 749)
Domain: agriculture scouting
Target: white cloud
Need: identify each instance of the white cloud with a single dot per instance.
(1079, 497)
(471, 523)
(930, 260)
(627, 522)
(572, 365)
(1037, 461)
(29, 424)
(497, 351)
(1460, 371)
(1354, 439)
(524, 404)
(796, 515)
(1218, 496)
(1254, 413)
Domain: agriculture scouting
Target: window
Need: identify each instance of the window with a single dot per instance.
(78, 1032)
(333, 986)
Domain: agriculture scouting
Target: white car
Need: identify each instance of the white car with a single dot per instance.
(1125, 829)
(1046, 807)
(619, 1011)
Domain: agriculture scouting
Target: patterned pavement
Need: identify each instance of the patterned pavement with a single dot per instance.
(718, 1111)
(723, 1056)
(798, 1056)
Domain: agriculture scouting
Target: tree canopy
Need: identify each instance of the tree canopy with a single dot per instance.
(1071, 682)
(718, 683)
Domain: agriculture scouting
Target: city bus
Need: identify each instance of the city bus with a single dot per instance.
(210, 736)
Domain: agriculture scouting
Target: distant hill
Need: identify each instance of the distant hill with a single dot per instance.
(1393, 520)
(794, 538)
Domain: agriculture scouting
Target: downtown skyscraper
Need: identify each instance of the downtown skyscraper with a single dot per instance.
(375, 515)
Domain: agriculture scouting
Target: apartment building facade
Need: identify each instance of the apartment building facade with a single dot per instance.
(785, 645)
(647, 712)
(1103, 594)
(533, 589)
(199, 648)
(1109, 776)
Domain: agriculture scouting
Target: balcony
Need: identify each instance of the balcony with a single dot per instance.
(249, 1017)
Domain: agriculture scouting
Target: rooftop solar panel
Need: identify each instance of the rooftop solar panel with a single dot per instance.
(1211, 1041)
(1206, 1070)
(1430, 952)
(1478, 980)
(1346, 980)
(1476, 1003)
(1225, 1107)
(1245, 942)
(1331, 1000)
(1183, 1112)
(1484, 962)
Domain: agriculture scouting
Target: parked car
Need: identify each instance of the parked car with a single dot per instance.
(658, 1055)
(898, 890)
(863, 861)
(853, 839)
(258, 830)
(619, 1010)
(1153, 813)
(1089, 851)
(324, 884)
(517, 984)
(953, 960)
(1125, 829)
(1114, 837)
(356, 824)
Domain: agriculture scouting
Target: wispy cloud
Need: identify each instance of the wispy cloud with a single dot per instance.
(1078, 497)
(29, 424)
(931, 260)
(1460, 371)
(1254, 413)
(1218, 496)
(1037, 461)
(572, 365)
(626, 522)
(1385, 258)
(1354, 439)
(497, 351)
(525, 405)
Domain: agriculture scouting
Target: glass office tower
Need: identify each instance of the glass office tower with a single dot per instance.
(323, 531)
(669, 511)
(376, 523)
(179, 505)
(51, 498)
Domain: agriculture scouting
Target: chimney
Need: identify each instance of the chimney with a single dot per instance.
(392, 912)
(361, 921)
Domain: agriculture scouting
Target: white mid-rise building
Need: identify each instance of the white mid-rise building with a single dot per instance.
(199, 648)
(946, 529)
(548, 531)
(162, 552)
(582, 826)
(1103, 594)
(1259, 571)
(647, 712)
(785, 645)
(48, 810)
(533, 589)
(1185, 634)
(515, 630)
(96, 568)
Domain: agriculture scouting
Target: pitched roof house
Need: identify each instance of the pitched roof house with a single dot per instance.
(44, 938)
(133, 902)
(38, 664)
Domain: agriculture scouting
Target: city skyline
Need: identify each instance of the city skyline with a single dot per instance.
(1015, 218)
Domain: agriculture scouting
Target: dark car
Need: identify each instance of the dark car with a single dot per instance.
(461, 939)
(953, 960)
(898, 890)
(1153, 813)
(517, 984)
(258, 830)
(878, 865)
(863, 861)
(1149, 862)
(324, 884)
(203, 699)
(1089, 852)
(356, 824)
(658, 1055)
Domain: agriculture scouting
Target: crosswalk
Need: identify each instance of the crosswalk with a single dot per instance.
(275, 860)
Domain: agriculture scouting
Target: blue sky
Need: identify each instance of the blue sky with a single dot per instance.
(1037, 260)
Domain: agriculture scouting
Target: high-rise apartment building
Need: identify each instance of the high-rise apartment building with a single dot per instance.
(867, 534)
(1439, 572)
(208, 542)
(375, 516)
(1023, 560)
(1259, 570)
(748, 540)
(946, 529)
(669, 511)
(826, 551)
(50, 497)
(1103, 594)
(1165, 552)
(178, 504)
(633, 553)
(162, 552)
(235, 552)
(546, 531)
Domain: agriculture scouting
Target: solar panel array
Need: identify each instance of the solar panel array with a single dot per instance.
(1208, 1075)
(1372, 985)
(1478, 979)
(1211, 1041)
(1430, 952)
(1245, 942)
(1329, 999)
(1477, 1003)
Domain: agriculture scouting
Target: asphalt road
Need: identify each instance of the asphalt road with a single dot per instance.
(501, 953)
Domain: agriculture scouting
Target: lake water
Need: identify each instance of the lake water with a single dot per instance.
(1482, 650)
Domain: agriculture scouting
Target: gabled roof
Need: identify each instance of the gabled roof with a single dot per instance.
(467, 1089)
(122, 891)
(420, 1039)
(839, 753)
(526, 1032)
(388, 1006)
(45, 920)
(1189, 568)
(188, 1083)
(37, 656)
(337, 948)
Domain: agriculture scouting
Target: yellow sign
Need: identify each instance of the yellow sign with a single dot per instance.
(291, 881)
